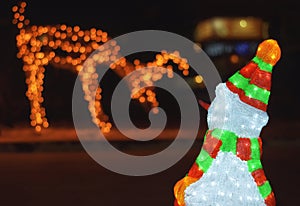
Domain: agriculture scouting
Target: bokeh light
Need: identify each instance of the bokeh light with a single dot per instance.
(68, 48)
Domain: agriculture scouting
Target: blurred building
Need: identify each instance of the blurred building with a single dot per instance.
(230, 41)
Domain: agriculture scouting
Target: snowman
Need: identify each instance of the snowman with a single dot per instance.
(228, 170)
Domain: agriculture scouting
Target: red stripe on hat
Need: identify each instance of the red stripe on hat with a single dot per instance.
(211, 145)
(253, 102)
(243, 148)
(270, 200)
(259, 177)
(261, 79)
(233, 88)
(248, 70)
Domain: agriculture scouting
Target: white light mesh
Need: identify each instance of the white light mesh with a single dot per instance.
(226, 183)
(228, 112)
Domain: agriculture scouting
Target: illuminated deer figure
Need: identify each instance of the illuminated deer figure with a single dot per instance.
(40, 46)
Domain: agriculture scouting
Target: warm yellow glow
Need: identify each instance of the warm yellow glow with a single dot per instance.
(243, 23)
(155, 110)
(63, 27)
(234, 58)
(185, 72)
(142, 99)
(38, 46)
(76, 28)
(199, 79)
(14, 8)
(136, 62)
(23, 4)
(38, 128)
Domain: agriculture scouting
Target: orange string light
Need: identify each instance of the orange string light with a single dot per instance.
(39, 46)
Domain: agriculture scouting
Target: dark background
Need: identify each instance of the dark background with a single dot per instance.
(121, 17)
(69, 176)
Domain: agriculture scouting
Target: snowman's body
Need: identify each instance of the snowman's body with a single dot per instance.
(228, 170)
(226, 183)
(228, 179)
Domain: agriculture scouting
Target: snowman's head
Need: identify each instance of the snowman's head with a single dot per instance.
(240, 104)
(228, 112)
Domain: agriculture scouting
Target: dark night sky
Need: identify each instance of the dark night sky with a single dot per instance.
(181, 17)
(118, 17)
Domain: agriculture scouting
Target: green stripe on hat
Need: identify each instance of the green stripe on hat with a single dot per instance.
(262, 65)
(251, 90)
(239, 80)
(258, 93)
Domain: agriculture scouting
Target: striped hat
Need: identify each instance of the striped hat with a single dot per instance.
(253, 82)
